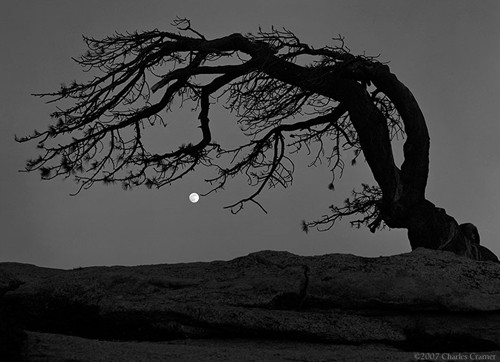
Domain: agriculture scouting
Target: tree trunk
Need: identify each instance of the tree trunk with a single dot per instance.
(430, 227)
(404, 204)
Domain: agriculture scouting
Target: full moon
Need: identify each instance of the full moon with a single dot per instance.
(194, 197)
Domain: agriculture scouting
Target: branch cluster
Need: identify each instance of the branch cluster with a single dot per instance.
(267, 80)
(365, 202)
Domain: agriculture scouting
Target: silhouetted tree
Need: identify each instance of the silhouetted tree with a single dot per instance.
(286, 95)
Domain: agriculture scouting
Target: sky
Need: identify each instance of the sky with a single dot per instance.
(446, 52)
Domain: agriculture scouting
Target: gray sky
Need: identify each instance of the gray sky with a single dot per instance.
(446, 52)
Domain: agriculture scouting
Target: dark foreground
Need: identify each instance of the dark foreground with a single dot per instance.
(267, 306)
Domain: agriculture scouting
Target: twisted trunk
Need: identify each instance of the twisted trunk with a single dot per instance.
(404, 204)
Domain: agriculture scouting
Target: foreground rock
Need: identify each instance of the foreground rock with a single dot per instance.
(8, 282)
(424, 301)
(54, 348)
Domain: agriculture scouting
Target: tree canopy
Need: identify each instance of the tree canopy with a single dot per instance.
(286, 96)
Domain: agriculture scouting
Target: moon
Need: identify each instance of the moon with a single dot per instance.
(194, 197)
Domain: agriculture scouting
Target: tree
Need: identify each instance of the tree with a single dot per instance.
(286, 95)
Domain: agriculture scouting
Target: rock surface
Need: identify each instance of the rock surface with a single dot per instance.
(8, 282)
(274, 302)
(54, 348)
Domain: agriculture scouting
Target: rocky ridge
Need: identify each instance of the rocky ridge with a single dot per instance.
(332, 306)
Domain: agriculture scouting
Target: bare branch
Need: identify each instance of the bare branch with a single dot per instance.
(365, 202)
(286, 95)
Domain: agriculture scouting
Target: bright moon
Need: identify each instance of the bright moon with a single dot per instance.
(194, 197)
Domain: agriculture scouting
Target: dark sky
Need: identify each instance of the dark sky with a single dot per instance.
(446, 52)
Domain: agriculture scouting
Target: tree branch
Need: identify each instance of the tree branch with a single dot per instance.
(265, 83)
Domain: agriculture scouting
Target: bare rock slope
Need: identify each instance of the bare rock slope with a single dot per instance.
(330, 307)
